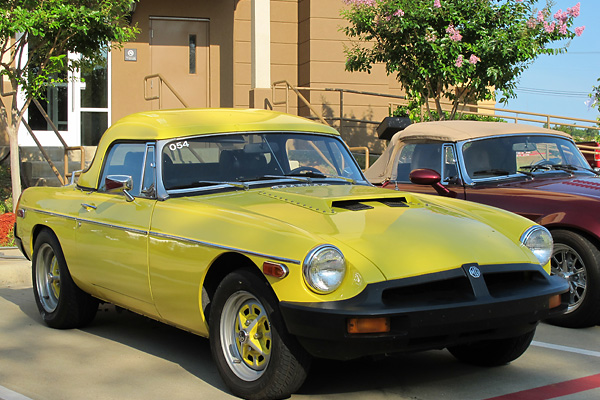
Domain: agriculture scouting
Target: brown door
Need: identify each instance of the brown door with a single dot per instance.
(179, 49)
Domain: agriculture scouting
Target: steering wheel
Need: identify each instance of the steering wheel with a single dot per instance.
(305, 169)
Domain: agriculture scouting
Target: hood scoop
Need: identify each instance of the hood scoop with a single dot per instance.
(358, 205)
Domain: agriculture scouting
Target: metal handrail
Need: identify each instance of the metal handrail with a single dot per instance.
(367, 154)
(158, 97)
(62, 178)
(296, 90)
(519, 116)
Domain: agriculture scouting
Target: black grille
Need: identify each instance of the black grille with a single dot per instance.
(455, 290)
(352, 205)
(358, 205)
(501, 284)
(397, 202)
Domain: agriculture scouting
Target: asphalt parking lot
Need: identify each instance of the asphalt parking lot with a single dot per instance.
(125, 356)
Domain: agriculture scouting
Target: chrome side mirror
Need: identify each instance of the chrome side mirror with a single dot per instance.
(119, 184)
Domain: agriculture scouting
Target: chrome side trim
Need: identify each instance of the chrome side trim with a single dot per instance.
(218, 246)
(68, 217)
(50, 213)
(173, 237)
(133, 230)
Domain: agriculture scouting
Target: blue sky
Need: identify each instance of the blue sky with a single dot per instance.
(559, 84)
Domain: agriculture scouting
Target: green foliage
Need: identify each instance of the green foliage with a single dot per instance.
(454, 49)
(579, 134)
(415, 115)
(6, 204)
(51, 28)
(595, 97)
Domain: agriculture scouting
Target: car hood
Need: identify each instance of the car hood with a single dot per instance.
(588, 186)
(401, 234)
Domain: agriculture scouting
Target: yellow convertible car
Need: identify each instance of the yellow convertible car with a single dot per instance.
(258, 230)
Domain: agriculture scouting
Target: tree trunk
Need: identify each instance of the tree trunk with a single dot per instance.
(15, 165)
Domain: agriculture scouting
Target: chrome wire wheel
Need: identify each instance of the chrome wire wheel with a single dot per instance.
(47, 278)
(246, 337)
(567, 264)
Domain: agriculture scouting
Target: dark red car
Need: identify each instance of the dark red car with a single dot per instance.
(535, 172)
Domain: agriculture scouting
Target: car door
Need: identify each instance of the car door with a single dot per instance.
(112, 233)
(438, 156)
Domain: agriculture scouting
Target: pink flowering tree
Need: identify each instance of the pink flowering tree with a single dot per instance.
(454, 49)
(595, 97)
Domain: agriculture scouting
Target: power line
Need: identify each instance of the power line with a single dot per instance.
(547, 92)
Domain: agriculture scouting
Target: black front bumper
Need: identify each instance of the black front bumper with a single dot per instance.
(430, 311)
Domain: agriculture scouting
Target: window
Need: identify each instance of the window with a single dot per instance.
(419, 155)
(127, 159)
(197, 162)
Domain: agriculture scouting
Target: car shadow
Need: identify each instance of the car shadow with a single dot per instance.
(406, 374)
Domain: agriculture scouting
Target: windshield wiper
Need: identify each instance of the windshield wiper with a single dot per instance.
(296, 178)
(571, 168)
(320, 175)
(560, 167)
(303, 178)
(199, 184)
(528, 173)
(533, 168)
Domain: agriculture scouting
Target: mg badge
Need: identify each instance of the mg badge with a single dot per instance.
(474, 272)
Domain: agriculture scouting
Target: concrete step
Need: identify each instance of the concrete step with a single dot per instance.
(38, 172)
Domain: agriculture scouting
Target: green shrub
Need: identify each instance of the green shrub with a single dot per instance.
(415, 115)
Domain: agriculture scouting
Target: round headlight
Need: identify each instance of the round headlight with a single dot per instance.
(539, 240)
(324, 269)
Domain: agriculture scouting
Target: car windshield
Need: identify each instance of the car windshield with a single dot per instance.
(499, 156)
(233, 158)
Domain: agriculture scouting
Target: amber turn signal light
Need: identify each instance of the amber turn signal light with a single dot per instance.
(368, 325)
(274, 269)
(554, 301)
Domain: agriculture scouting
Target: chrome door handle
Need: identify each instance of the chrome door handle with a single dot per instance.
(88, 207)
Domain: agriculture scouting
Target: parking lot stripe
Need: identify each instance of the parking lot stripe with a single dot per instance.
(555, 390)
(566, 348)
(7, 394)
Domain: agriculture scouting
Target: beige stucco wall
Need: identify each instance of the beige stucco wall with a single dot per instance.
(307, 49)
(284, 49)
(128, 76)
(322, 65)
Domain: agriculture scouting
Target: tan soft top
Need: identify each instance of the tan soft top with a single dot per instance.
(455, 131)
(448, 131)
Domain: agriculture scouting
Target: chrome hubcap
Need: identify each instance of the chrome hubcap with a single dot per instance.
(567, 264)
(246, 336)
(47, 278)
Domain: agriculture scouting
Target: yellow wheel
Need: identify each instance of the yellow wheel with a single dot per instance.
(246, 331)
(254, 354)
(47, 277)
(60, 302)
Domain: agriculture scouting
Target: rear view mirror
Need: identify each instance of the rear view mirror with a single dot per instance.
(119, 184)
(520, 147)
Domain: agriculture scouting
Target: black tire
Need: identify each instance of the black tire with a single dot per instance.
(578, 261)
(273, 373)
(61, 303)
(492, 353)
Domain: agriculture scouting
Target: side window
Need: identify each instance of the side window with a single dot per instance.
(403, 167)
(450, 172)
(418, 155)
(125, 159)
